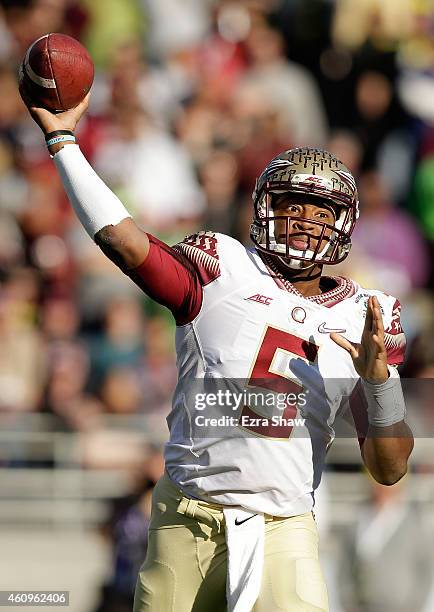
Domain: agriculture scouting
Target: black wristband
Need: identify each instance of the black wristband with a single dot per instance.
(51, 135)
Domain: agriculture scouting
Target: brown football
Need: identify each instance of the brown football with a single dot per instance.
(57, 72)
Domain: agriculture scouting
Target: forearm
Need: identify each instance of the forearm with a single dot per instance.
(99, 210)
(101, 213)
(386, 450)
(389, 440)
(94, 203)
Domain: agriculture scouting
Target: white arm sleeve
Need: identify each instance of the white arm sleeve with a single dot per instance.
(94, 203)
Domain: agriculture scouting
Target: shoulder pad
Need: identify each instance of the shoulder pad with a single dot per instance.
(201, 250)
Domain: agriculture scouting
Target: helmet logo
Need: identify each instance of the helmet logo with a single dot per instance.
(311, 179)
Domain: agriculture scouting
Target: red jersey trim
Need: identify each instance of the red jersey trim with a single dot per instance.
(201, 250)
(394, 338)
(169, 278)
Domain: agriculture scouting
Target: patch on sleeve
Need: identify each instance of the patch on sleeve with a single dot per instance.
(394, 338)
(201, 250)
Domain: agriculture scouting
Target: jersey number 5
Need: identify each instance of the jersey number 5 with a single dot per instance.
(271, 370)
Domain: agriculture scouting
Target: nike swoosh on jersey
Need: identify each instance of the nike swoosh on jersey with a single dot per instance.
(237, 522)
(328, 330)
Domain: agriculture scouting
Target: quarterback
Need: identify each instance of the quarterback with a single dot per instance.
(232, 526)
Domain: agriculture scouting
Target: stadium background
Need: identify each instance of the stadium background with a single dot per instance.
(191, 99)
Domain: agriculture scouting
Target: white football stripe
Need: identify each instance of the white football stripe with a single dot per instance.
(47, 83)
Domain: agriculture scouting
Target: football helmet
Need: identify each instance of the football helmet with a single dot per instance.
(312, 172)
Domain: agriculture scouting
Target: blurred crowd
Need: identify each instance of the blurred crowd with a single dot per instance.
(191, 100)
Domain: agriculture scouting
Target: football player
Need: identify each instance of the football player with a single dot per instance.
(232, 524)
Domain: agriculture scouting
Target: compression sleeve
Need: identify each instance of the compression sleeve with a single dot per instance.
(95, 204)
(170, 279)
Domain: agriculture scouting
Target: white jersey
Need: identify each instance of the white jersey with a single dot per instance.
(255, 326)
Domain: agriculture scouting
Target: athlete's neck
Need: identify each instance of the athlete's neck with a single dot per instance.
(307, 281)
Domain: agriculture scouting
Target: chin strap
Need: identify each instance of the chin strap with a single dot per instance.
(296, 264)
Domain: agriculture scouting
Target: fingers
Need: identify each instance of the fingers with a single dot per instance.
(345, 344)
(373, 332)
(85, 102)
(376, 333)
(26, 98)
(378, 318)
(43, 117)
(81, 108)
(29, 104)
(373, 320)
(72, 116)
(369, 318)
(380, 350)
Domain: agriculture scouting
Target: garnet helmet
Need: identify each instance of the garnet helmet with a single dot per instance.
(316, 173)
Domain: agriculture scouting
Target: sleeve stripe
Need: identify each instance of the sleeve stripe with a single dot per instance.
(394, 337)
(201, 251)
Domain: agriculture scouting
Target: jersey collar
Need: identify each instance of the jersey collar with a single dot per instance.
(344, 288)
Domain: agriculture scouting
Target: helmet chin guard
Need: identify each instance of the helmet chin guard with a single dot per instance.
(312, 172)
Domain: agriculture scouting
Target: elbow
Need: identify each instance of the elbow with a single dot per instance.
(124, 244)
(108, 238)
(110, 244)
(386, 459)
(390, 477)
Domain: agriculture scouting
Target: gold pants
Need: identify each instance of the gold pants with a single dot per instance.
(185, 568)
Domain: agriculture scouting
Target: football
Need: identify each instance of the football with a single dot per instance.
(57, 72)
